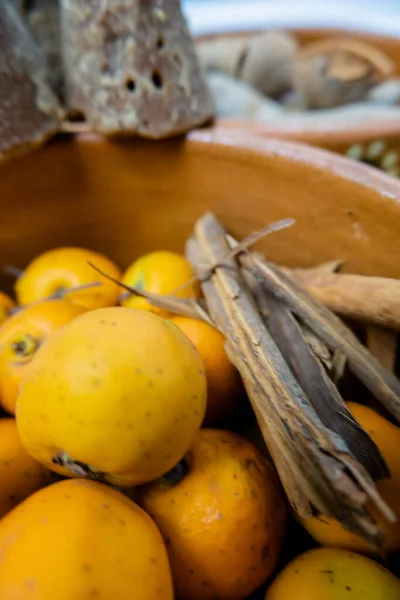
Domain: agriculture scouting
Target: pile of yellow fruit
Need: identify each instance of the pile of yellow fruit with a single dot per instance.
(117, 480)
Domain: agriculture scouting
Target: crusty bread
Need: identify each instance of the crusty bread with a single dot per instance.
(131, 67)
(29, 110)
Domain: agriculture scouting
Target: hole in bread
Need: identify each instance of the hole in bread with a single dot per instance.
(160, 42)
(157, 79)
(130, 85)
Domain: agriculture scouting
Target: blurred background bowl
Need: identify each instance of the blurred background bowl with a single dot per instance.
(375, 141)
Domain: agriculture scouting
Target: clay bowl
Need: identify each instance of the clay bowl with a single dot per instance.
(131, 197)
(370, 142)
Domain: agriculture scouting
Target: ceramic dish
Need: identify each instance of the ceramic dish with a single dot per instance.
(125, 199)
(374, 141)
(131, 197)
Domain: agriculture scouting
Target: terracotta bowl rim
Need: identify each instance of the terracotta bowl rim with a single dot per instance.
(236, 141)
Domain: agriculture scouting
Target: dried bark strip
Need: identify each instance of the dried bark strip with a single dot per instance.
(383, 384)
(315, 466)
(374, 300)
(320, 390)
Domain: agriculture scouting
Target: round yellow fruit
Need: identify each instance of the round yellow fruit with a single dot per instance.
(333, 574)
(118, 391)
(60, 269)
(82, 540)
(20, 474)
(161, 272)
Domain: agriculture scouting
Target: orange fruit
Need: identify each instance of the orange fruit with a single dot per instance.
(161, 272)
(82, 540)
(328, 531)
(58, 270)
(119, 390)
(222, 514)
(6, 304)
(223, 380)
(20, 474)
(21, 336)
(333, 574)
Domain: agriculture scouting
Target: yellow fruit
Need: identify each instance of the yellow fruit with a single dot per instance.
(20, 474)
(20, 338)
(223, 515)
(64, 268)
(223, 381)
(81, 540)
(330, 532)
(160, 272)
(120, 390)
(333, 574)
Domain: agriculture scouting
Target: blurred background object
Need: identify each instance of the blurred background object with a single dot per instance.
(210, 16)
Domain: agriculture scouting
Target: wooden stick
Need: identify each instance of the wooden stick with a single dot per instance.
(315, 465)
(383, 384)
(320, 389)
(374, 300)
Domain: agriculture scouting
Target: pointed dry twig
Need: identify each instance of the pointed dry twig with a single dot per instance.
(186, 307)
(248, 241)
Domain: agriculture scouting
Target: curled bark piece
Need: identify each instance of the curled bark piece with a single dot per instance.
(315, 466)
(29, 110)
(131, 67)
(372, 300)
(382, 343)
(319, 388)
(335, 71)
(384, 385)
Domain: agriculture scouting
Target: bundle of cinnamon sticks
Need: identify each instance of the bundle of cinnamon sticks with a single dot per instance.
(291, 349)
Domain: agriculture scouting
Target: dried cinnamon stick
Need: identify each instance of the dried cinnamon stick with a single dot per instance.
(320, 389)
(374, 300)
(383, 384)
(316, 467)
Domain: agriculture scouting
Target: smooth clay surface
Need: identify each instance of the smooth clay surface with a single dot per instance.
(131, 197)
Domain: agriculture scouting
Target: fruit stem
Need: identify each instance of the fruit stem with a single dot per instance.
(26, 346)
(78, 468)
